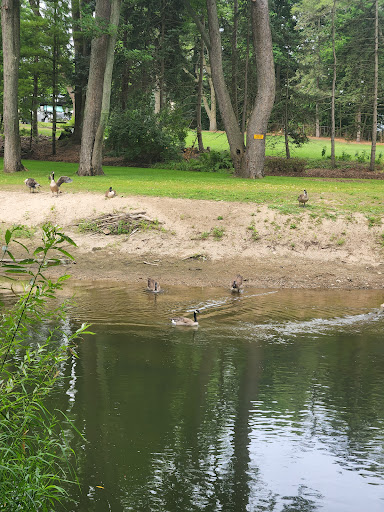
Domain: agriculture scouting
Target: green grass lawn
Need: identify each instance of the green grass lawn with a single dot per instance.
(312, 151)
(328, 198)
(43, 129)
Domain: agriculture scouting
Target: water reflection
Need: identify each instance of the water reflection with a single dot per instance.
(273, 403)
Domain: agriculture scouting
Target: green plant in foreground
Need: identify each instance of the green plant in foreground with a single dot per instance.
(34, 454)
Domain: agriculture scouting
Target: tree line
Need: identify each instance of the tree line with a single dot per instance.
(245, 66)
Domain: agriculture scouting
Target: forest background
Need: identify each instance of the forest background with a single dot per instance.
(327, 69)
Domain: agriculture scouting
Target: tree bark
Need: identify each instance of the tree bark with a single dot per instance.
(375, 89)
(210, 110)
(317, 121)
(82, 49)
(245, 102)
(234, 56)
(94, 95)
(97, 156)
(234, 135)
(286, 137)
(358, 125)
(199, 96)
(333, 158)
(258, 121)
(35, 6)
(10, 24)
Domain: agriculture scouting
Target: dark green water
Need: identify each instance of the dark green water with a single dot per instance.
(274, 403)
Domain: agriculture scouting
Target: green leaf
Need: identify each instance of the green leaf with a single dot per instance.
(38, 250)
(11, 255)
(27, 261)
(67, 239)
(22, 245)
(8, 236)
(65, 253)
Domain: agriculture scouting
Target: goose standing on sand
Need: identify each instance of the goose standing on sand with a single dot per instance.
(186, 322)
(237, 284)
(55, 185)
(110, 192)
(303, 198)
(153, 286)
(32, 184)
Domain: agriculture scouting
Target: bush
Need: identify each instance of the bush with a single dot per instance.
(284, 165)
(211, 161)
(33, 449)
(141, 136)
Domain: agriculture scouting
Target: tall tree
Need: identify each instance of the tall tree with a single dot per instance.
(98, 90)
(97, 155)
(248, 161)
(375, 88)
(10, 25)
(333, 94)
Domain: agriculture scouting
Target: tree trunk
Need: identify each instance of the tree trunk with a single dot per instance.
(245, 102)
(10, 24)
(286, 138)
(34, 129)
(82, 48)
(210, 110)
(375, 87)
(199, 96)
(234, 56)
(97, 156)
(258, 121)
(234, 135)
(333, 158)
(35, 6)
(317, 121)
(162, 60)
(157, 97)
(55, 48)
(94, 96)
(358, 125)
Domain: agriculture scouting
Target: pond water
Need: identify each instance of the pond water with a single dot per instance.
(274, 403)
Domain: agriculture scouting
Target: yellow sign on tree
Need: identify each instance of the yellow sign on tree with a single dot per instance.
(258, 136)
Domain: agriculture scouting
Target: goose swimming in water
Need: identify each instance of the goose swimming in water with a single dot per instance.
(186, 322)
(153, 286)
(237, 284)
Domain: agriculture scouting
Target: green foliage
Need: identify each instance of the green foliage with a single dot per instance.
(254, 233)
(218, 233)
(33, 450)
(284, 165)
(212, 161)
(142, 136)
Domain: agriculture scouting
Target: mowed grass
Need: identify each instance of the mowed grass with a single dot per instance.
(312, 151)
(328, 198)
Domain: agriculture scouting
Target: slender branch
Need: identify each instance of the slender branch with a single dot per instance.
(200, 26)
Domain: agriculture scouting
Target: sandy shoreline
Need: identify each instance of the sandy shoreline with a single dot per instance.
(269, 249)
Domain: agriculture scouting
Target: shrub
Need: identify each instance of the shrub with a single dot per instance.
(212, 161)
(141, 136)
(284, 165)
(33, 450)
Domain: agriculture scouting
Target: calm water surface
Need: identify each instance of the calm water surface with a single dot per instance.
(274, 403)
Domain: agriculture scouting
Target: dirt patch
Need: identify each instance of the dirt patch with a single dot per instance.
(206, 243)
